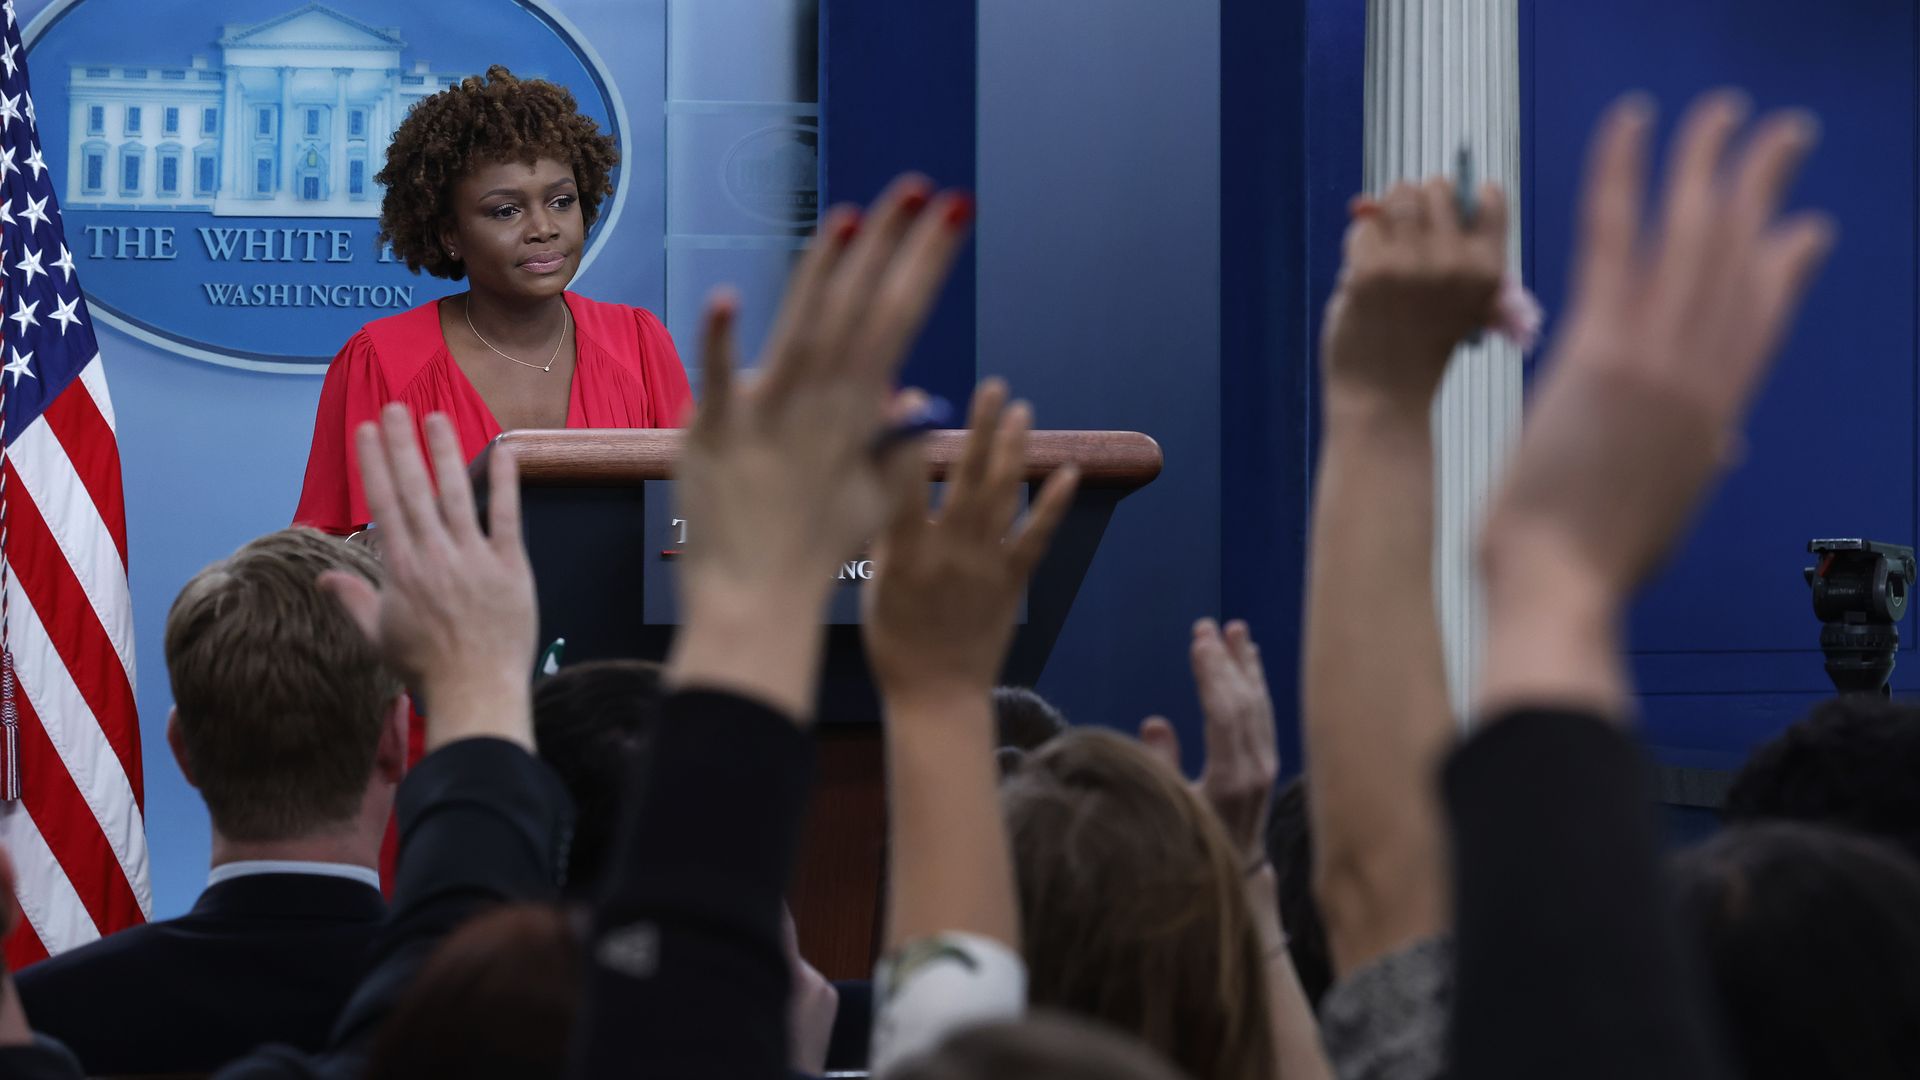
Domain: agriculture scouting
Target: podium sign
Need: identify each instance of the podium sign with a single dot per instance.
(667, 538)
(597, 512)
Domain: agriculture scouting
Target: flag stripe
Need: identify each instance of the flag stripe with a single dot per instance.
(71, 828)
(88, 443)
(83, 748)
(53, 907)
(73, 521)
(94, 377)
(23, 947)
(82, 643)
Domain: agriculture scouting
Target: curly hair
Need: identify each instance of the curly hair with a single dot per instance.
(482, 122)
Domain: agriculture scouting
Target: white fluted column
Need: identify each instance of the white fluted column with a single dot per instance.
(1442, 74)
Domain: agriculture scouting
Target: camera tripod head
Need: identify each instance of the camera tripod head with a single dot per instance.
(1860, 591)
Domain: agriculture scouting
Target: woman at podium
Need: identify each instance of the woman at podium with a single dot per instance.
(495, 181)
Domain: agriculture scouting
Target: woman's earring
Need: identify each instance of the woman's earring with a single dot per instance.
(452, 254)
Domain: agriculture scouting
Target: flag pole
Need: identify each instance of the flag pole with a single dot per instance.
(9, 686)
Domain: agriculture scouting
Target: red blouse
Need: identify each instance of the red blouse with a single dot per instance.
(626, 375)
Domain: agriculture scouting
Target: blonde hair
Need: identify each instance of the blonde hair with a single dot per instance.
(1132, 906)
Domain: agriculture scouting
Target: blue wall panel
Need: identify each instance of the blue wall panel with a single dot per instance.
(1726, 646)
(1099, 278)
(1291, 98)
(897, 86)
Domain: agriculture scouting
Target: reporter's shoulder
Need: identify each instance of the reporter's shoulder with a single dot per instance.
(84, 969)
(41, 1059)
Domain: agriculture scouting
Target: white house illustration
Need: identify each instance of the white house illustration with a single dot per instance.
(294, 121)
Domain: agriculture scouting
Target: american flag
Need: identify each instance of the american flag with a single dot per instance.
(70, 783)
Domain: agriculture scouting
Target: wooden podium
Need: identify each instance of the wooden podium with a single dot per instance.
(598, 516)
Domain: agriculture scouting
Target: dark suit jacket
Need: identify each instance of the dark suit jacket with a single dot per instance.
(482, 822)
(259, 959)
(42, 1059)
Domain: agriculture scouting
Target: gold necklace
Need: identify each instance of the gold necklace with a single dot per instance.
(566, 320)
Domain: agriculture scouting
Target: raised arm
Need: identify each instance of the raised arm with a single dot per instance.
(784, 476)
(1570, 960)
(1236, 780)
(456, 618)
(1416, 282)
(939, 619)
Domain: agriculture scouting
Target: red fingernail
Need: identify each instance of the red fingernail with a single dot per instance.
(959, 210)
(847, 228)
(914, 201)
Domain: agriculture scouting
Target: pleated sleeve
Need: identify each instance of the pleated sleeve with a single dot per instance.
(354, 390)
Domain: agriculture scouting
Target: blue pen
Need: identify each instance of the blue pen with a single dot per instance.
(933, 414)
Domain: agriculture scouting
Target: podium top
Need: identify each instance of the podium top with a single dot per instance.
(615, 457)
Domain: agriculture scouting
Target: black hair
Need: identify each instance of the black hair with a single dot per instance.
(590, 722)
(1812, 940)
(482, 121)
(1851, 763)
(1025, 720)
(1290, 849)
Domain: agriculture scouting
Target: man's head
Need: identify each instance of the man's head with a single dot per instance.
(1024, 720)
(281, 705)
(590, 722)
(1849, 764)
(1811, 942)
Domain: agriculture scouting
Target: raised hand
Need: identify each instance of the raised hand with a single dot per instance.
(940, 613)
(1242, 761)
(1236, 780)
(1670, 333)
(812, 1004)
(456, 617)
(783, 475)
(939, 616)
(1416, 281)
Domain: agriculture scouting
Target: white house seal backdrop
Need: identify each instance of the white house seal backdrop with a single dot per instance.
(217, 166)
